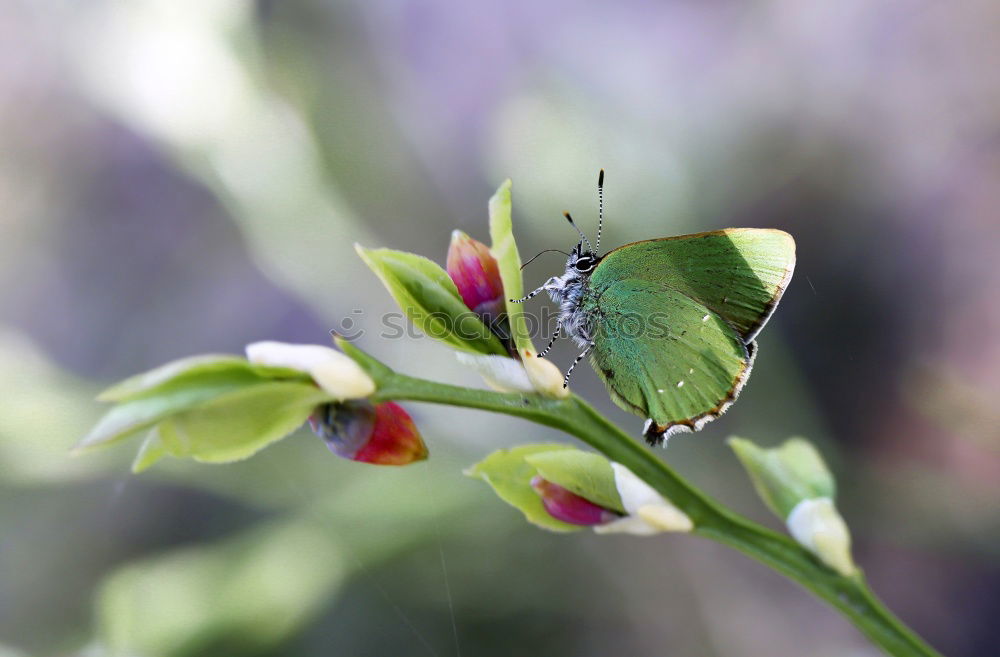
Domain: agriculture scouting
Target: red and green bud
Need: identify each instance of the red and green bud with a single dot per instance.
(382, 434)
(476, 274)
(570, 507)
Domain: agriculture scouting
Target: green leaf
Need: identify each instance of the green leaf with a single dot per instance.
(147, 398)
(586, 474)
(430, 299)
(785, 475)
(140, 413)
(236, 425)
(198, 369)
(151, 451)
(504, 249)
(509, 473)
(243, 594)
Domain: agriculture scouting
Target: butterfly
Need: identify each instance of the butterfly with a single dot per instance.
(670, 323)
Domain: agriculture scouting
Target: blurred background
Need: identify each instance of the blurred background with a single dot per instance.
(187, 177)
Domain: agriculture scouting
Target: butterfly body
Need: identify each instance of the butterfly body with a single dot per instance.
(670, 323)
(570, 291)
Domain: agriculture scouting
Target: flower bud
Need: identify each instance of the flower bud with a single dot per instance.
(795, 483)
(334, 372)
(500, 373)
(545, 377)
(785, 475)
(477, 277)
(570, 507)
(817, 526)
(532, 374)
(382, 434)
(648, 511)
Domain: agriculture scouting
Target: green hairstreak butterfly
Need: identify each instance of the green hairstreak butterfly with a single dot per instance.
(670, 323)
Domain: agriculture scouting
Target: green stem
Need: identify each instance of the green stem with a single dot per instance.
(849, 594)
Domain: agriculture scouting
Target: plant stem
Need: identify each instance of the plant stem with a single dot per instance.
(849, 594)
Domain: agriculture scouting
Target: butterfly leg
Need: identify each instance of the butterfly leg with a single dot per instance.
(548, 285)
(555, 336)
(586, 351)
(528, 295)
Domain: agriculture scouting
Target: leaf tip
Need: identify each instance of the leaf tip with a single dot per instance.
(363, 253)
(86, 444)
(502, 195)
(140, 465)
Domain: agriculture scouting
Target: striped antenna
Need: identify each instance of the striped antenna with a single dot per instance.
(600, 209)
(571, 223)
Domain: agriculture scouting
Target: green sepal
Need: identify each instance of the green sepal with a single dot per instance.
(198, 369)
(236, 425)
(509, 473)
(140, 413)
(785, 475)
(586, 474)
(147, 398)
(504, 249)
(213, 408)
(429, 298)
(151, 451)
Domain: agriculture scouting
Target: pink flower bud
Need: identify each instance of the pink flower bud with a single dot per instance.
(476, 275)
(570, 507)
(382, 434)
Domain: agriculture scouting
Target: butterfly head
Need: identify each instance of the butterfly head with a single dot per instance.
(581, 261)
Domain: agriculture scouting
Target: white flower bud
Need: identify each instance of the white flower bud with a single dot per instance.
(504, 374)
(544, 376)
(334, 372)
(648, 511)
(665, 518)
(501, 373)
(818, 527)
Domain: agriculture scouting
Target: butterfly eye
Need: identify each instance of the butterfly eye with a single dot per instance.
(584, 264)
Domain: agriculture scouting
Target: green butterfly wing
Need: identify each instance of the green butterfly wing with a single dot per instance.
(674, 321)
(738, 273)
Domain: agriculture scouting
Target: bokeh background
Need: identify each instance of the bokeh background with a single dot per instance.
(186, 177)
